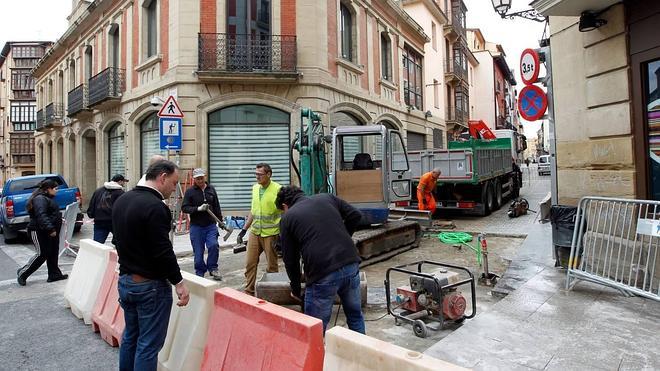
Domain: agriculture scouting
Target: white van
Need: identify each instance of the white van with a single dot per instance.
(544, 164)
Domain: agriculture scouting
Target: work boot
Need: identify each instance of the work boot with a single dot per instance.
(21, 281)
(58, 278)
(216, 275)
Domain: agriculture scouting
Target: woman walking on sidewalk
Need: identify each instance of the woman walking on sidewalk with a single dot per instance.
(44, 230)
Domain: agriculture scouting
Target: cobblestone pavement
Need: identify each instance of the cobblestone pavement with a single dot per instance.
(535, 188)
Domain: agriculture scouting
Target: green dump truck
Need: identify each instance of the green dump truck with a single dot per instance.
(478, 175)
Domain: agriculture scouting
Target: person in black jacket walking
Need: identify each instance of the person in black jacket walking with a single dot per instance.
(44, 229)
(100, 206)
(147, 266)
(197, 201)
(319, 228)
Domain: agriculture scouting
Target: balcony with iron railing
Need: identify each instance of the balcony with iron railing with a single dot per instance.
(106, 88)
(78, 101)
(54, 114)
(454, 71)
(455, 26)
(41, 120)
(457, 116)
(225, 56)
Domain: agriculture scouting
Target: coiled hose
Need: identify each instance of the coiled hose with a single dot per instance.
(455, 238)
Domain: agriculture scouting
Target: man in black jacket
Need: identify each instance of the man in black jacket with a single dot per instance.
(198, 201)
(142, 223)
(100, 206)
(319, 228)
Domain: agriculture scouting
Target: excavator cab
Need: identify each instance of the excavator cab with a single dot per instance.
(370, 169)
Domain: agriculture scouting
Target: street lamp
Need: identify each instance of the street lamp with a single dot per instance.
(502, 7)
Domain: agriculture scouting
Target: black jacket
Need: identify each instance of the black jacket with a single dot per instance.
(194, 197)
(100, 205)
(45, 214)
(319, 228)
(142, 223)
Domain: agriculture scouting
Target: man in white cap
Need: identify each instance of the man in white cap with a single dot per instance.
(198, 200)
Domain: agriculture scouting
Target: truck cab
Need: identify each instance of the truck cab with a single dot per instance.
(370, 169)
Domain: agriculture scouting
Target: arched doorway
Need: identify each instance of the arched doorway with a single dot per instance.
(116, 150)
(59, 156)
(73, 164)
(88, 164)
(240, 137)
(48, 161)
(149, 140)
(40, 155)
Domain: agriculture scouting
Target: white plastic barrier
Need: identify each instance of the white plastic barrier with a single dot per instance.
(346, 350)
(85, 278)
(186, 333)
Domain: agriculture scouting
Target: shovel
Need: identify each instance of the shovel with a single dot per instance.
(222, 225)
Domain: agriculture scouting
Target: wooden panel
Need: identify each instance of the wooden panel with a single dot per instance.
(360, 185)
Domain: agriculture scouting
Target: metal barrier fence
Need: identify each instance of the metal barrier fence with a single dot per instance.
(615, 243)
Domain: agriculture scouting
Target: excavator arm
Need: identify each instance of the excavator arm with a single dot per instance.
(479, 130)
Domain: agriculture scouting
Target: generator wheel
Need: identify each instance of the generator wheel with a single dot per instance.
(419, 328)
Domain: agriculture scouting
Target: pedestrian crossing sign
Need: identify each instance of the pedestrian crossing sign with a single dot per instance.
(170, 108)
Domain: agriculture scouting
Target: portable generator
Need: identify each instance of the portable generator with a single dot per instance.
(431, 297)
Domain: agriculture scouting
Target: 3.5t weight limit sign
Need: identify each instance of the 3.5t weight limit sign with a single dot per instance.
(529, 66)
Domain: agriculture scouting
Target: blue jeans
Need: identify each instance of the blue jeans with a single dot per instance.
(199, 238)
(101, 233)
(146, 308)
(320, 296)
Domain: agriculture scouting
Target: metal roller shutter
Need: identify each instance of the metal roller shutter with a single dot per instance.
(416, 141)
(234, 150)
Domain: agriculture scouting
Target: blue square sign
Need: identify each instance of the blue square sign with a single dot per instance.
(171, 129)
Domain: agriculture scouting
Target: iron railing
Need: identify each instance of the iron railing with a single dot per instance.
(453, 67)
(78, 100)
(222, 52)
(107, 84)
(54, 113)
(457, 115)
(41, 119)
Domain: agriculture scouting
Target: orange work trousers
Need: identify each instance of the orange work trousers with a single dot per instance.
(426, 201)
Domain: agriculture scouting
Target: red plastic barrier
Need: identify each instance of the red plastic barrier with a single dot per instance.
(108, 317)
(246, 333)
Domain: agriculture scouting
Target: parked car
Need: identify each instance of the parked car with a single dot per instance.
(13, 215)
(544, 165)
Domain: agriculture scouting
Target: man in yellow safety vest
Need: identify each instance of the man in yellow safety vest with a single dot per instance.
(264, 225)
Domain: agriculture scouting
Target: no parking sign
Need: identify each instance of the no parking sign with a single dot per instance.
(532, 103)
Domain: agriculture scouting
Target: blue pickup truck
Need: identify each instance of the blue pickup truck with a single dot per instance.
(13, 215)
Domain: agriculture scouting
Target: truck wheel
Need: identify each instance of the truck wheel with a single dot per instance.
(486, 199)
(498, 194)
(491, 198)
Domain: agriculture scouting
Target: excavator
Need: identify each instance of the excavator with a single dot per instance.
(367, 167)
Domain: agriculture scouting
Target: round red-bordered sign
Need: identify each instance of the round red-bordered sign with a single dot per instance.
(530, 65)
(532, 103)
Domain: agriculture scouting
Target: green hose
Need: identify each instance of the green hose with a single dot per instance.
(454, 238)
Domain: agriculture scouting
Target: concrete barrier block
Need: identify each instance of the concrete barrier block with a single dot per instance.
(275, 288)
(187, 331)
(85, 278)
(347, 350)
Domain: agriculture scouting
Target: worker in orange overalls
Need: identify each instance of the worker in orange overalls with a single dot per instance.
(425, 188)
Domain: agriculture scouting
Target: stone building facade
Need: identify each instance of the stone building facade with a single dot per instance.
(606, 98)
(241, 72)
(18, 114)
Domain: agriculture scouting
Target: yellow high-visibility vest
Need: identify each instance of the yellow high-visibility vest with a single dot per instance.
(265, 215)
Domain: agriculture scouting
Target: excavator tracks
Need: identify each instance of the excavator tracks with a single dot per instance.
(383, 242)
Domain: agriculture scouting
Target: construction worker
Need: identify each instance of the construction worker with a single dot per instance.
(264, 225)
(198, 201)
(318, 228)
(425, 188)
